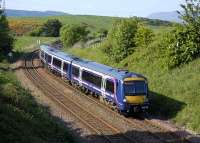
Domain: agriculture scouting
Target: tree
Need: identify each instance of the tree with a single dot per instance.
(144, 36)
(6, 40)
(121, 39)
(70, 34)
(191, 12)
(185, 41)
(51, 28)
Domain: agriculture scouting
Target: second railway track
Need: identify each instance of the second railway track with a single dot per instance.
(92, 121)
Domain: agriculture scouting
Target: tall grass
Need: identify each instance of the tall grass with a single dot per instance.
(22, 119)
(175, 94)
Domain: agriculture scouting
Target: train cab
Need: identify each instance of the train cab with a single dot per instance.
(135, 92)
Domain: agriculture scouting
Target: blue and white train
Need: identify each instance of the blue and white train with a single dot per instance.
(123, 90)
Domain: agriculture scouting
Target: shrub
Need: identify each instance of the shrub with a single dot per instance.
(70, 34)
(49, 29)
(144, 36)
(184, 45)
(121, 39)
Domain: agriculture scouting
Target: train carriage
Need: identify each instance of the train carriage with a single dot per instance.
(125, 91)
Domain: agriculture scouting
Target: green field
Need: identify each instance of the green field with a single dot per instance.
(26, 43)
(93, 22)
(175, 94)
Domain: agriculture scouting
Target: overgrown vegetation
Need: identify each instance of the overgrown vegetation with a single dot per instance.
(124, 37)
(184, 42)
(70, 34)
(166, 58)
(22, 119)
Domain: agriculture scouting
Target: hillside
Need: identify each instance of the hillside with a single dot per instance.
(168, 16)
(24, 25)
(174, 93)
(27, 13)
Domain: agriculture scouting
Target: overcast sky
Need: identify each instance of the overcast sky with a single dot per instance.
(98, 7)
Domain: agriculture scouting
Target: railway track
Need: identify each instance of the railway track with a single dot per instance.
(93, 122)
(145, 125)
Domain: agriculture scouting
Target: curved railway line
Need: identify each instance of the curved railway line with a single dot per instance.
(95, 123)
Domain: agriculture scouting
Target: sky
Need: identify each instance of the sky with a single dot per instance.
(124, 8)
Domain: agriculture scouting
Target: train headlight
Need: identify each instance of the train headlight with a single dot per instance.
(124, 100)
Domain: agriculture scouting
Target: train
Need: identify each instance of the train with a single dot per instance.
(124, 91)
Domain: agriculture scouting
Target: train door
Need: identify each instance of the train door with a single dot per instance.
(103, 88)
(109, 88)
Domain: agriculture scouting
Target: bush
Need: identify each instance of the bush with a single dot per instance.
(144, 36)
(121, 39)
(36, 33)
(50, 29)
(184, 45)
(70, 34)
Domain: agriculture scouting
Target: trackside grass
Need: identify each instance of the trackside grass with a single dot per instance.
(22, 119)
(175, 94)
(25, 43)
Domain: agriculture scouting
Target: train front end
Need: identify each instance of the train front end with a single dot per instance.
(135, 92)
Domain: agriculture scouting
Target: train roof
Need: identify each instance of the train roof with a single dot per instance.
(116, 73)
(57, 53)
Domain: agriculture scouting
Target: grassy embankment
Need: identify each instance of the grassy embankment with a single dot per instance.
(21, 118)
(175, 93)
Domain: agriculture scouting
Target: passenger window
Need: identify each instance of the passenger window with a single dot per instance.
(57, 63)
(49, 59)
(46, 57)
(75, 71)
(92, 78)
(65, 67)
(110, 86)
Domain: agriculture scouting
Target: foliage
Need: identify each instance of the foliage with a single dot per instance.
(6, 40)
(144, 36)
(37, 32)
(94, 23)
(177, 88)
(101, 33)
(71, 33)
(121, 42)
(23, 27)
(185, 40)
(51, 28)
(22, 119)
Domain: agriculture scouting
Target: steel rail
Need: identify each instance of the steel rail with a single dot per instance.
(98, 125)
